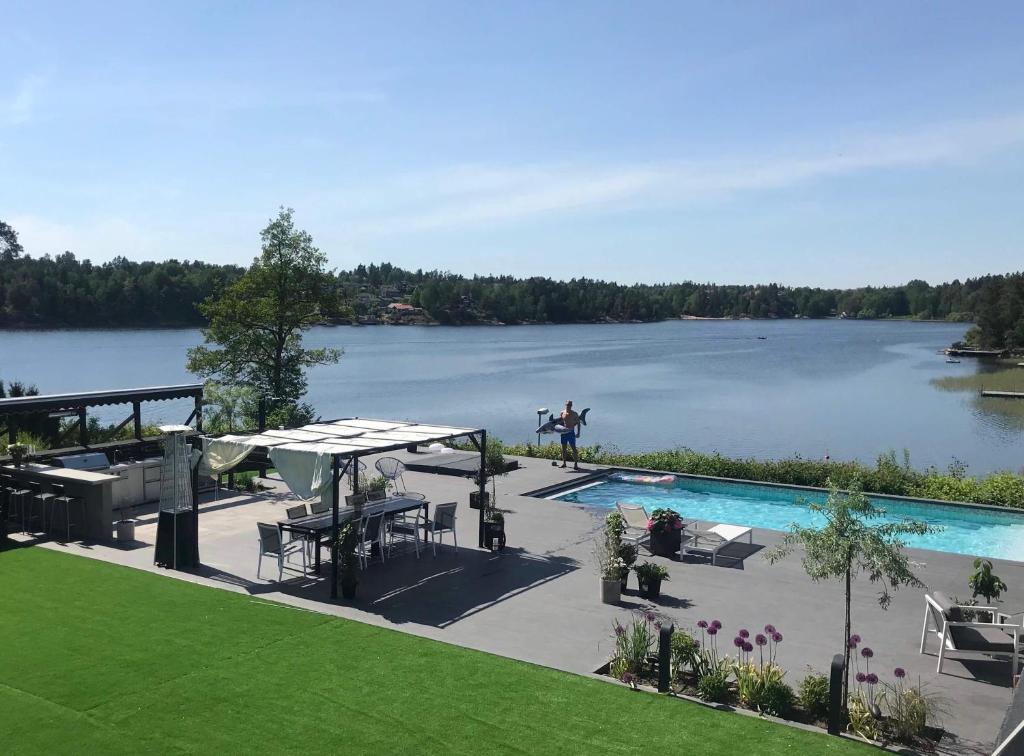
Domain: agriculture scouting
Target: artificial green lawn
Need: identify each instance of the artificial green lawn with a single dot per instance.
(100, 658)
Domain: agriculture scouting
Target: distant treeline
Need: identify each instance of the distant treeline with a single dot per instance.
(64, 291)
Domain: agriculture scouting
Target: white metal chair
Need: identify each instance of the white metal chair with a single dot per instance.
(443, 521)
(635, 517)
(392, 469)
(272, 545)
(945, 620)
(371, 531)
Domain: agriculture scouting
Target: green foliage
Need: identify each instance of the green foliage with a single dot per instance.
(762, 688)
(861, 720)
(814, 694)
(850, 544)
(686, 654)
(378, 483)
(664, 520)
(228, 408)
(910, 709)
(714, 685)
(628, 552)
(984, 583)
(348, 537)
(649, 571)
(886, 476)
(635, 643)
(255, 334)
(62, 290)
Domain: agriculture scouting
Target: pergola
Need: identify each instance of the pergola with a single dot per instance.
(346, 440)
(76, 405)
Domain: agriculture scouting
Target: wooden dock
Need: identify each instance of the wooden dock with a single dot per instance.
(1004, 394)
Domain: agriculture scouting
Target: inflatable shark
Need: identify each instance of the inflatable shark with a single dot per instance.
(554, 424)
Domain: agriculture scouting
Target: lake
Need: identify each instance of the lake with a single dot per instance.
(851, 389)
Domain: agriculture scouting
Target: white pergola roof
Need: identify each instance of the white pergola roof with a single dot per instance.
(352, 436)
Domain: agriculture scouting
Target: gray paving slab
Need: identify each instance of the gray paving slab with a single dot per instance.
(539, 600)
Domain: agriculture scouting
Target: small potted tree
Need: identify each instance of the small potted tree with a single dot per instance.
(628, 552)
(348, 574)
(494, 518)
(666, 529)
(984, 583)
(649, 576)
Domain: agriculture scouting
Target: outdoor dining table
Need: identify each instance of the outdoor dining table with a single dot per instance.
(317, 527)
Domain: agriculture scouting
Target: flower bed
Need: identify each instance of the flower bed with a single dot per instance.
(747, 676)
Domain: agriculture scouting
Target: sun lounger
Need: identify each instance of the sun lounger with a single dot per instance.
(713, 540)
(635, 517)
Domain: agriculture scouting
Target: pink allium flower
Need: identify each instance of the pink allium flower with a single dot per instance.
(872, 678)
(744, 633)
(900, 672)
(769, 629)
(748, 647)
(866, 652)
(861, 677)
(712, 630)
(702, 624)
(716, 624)
(760, 640)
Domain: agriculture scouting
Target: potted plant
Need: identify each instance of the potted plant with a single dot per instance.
(18, 453)
(494, 528)
(628, 552)
(649, 575)
(666, 529)
(986, 584)
(611, 569)
(348, 574)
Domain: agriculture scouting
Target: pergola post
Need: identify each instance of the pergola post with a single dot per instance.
(335, 490)
(482, 478)
(199, 413)
(83, 427)
(195, 513)
(137, 417)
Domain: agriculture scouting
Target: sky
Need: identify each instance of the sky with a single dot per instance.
(831, 144)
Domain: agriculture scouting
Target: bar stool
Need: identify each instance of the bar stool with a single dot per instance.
(20, 498)
(61, 499)
(40, 503)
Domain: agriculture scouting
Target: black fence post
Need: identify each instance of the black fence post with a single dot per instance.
(665, 657)
(835, 695)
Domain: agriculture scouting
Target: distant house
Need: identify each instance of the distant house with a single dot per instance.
(365, 298)
(402, 307)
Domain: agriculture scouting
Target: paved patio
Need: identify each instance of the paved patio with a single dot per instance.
(539, 600)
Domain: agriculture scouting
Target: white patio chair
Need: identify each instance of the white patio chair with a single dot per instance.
(442, 522)
(635, 517)
(974, 639)
(272, 545)
(392, 469)
(713, 540)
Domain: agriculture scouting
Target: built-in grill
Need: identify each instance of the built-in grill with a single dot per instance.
(91, 461)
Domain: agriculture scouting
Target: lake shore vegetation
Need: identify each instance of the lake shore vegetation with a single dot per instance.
(62, 291)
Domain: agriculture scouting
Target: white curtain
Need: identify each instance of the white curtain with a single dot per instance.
(306, 468)
(222, 454)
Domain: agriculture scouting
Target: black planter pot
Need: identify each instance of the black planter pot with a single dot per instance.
(650, 589)
(476, 502)
(666, 543)
(625, 582)
(494, 535)
(348, 588)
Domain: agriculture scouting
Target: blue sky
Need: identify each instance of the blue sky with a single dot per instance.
(806, 143)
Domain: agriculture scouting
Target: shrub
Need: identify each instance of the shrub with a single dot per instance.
(813, 695)
(685, 654)
(649, 571)
(862, 721)
(635, 643)
(909, 708)
(714, 686)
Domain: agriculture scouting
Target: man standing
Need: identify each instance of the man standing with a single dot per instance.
(571, 422)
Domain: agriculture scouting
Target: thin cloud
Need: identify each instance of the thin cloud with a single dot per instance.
(472, 195)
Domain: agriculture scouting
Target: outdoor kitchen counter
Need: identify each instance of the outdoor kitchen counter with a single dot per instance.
(95, 489)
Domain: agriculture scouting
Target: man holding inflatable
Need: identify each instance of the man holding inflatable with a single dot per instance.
(571, 422)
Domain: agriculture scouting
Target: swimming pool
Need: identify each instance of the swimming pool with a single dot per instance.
(965, 530)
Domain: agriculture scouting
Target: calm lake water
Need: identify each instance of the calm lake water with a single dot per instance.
(849, 389)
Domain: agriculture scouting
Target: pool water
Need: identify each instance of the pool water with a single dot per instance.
(965, 530)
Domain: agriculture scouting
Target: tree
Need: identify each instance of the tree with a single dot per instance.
(258, 321)
(848, 545)
(10, 247)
